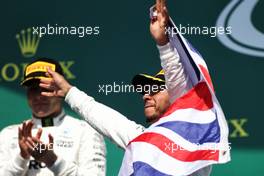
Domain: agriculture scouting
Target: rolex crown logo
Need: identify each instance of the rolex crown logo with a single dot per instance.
(28, 42)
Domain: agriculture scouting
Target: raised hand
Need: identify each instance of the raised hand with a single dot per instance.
(57, 86)
(159, 23)
(23, 134)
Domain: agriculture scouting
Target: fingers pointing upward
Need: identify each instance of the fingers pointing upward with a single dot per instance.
(160, 5)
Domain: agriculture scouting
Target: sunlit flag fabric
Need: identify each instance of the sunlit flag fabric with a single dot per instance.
(192, 134)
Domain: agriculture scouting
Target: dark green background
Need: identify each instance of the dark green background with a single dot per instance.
(124, 48)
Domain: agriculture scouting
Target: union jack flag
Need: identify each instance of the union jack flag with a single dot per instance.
(192, 134)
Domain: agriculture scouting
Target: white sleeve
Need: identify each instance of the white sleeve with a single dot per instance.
(91, 157)
(10, 166)
(176, 80)
(105, 120)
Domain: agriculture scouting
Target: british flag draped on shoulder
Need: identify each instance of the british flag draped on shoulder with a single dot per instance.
(192, 134)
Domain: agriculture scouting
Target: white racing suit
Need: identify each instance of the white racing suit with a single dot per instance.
(80, 150)
(117, 127)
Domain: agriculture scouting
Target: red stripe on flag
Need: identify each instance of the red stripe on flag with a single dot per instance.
(207, 76)
(199, 98)
(166, 146)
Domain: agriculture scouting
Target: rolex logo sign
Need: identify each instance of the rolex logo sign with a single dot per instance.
(28, 42)
(13, 70)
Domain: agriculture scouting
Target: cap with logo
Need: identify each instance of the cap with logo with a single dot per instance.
(142, 80)
(37, 69)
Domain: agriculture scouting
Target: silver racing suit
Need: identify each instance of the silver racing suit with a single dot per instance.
(80, 150)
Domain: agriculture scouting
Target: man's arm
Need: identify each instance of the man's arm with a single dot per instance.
(104, 119)
(176, 80)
